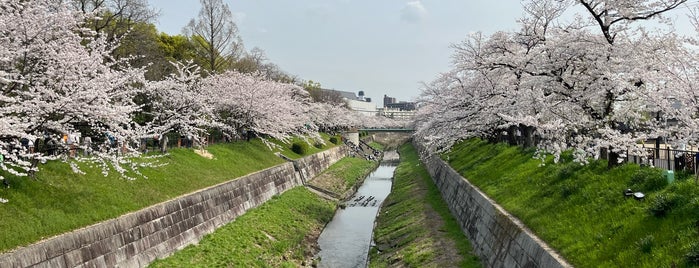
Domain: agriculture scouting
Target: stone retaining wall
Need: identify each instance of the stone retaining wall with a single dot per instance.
(498, 238)
(312, 165)
(138, 238)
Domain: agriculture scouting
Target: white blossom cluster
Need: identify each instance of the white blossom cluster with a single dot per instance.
(581, 75)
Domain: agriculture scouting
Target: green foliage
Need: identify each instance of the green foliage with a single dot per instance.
(299, 148)
(581, 211)
(272, 235)
(176, 47)
(682, 175)
(335, 139)
(318, 145)
(645, 245)
(648, 179)
(311, 86)
(692, 255)
(415, 223)
(662, 204)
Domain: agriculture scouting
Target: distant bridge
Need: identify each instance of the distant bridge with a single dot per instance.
(387, 129)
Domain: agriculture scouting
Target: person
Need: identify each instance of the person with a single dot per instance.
(87, 143)
(50, 146)
(163, 144)
(24, 142)
(72, 142)
(30, 144)
(110, 139)
(156, 140)
(143, 146)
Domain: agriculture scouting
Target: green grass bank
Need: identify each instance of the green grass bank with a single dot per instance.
(59, 200)
(580, 210)
(314, 147)
(377, 146)
(344, 176)
(414, 226)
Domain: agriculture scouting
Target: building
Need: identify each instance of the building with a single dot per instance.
(403, 106)
(388, 100)
(397, 113)
(398, 110)
(391, 103)
(359, 103)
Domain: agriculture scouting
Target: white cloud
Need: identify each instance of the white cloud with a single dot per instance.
(413, 12)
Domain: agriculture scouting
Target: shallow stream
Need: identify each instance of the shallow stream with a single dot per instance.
(346, 240)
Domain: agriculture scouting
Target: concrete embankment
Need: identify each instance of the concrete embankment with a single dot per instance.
(498, 238)
(138, 238)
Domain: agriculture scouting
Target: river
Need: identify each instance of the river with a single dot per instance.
(346, 240)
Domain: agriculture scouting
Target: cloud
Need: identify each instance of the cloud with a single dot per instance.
(413, 12)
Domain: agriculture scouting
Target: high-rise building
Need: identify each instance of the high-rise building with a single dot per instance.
(388, 100)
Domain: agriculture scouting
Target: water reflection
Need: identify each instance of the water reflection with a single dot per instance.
(346, 240)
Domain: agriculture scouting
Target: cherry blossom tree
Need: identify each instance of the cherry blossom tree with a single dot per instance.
(55, 82)
(254, 105)
(586, 84)
(682, 106)
(178, 103)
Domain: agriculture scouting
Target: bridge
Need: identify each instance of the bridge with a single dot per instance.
(387, 129)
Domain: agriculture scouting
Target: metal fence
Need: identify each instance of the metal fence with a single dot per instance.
(668, 159)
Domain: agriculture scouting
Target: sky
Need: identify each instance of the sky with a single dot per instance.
(382, 47)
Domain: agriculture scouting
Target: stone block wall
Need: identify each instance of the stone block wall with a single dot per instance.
(498, 238)
(312, 165)
(136, 239)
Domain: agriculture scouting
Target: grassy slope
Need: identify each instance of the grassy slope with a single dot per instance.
(276, 234)
(344, 174)
(60, 200)
(414, 227)
(580, 210)
(285, 148)
(377, 146)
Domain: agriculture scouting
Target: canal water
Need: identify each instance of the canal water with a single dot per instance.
(346, 240)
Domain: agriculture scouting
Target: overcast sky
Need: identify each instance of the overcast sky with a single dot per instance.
(378, 46)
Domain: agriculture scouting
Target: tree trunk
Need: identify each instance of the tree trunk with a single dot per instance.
(612, 158)
(512, 135)
(528, 136)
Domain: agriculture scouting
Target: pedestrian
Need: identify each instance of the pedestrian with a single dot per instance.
(72, 142)
(163, 144)
(87, 144)
(30, 145)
